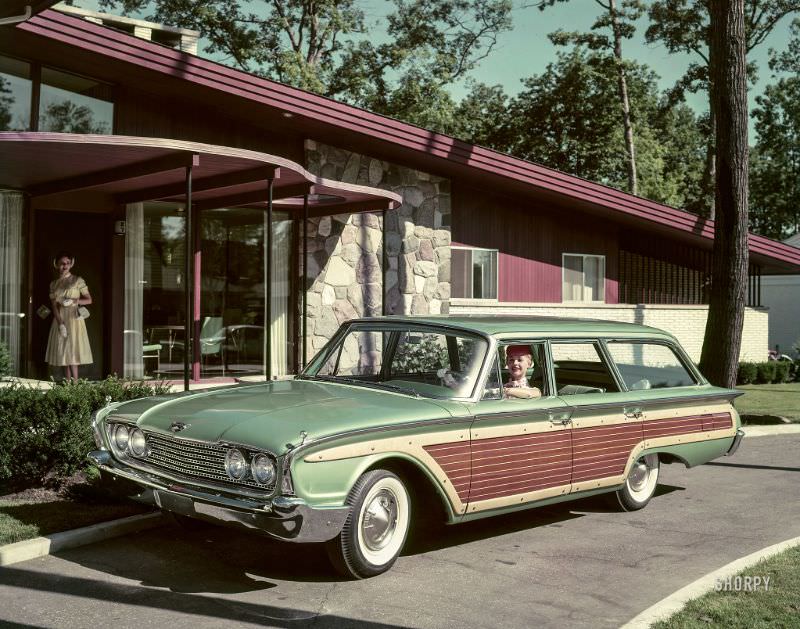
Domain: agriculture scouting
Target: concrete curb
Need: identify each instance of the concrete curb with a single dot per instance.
(42, 546)
(675, 601)
(769, 431)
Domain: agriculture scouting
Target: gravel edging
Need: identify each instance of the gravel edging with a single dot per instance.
(42, 546)
(676, 601)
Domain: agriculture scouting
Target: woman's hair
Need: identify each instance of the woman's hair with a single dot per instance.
(62, 254)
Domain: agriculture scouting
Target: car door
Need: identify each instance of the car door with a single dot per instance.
(606, 418)
(520, 449)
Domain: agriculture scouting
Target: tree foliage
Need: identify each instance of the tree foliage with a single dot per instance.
(614, 24)
(775, 158)
(567, 118)
(683, 26)
(328, 47)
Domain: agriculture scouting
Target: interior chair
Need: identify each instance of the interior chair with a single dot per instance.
(212, 340)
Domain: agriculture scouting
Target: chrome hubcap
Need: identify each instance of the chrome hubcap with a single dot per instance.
(380, 520)
(638, 476)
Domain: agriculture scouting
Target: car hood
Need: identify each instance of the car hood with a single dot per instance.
(271, 415)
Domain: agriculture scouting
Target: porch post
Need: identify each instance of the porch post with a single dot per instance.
(188, 279)
(384, 258)
(304, 282)
(268, 279)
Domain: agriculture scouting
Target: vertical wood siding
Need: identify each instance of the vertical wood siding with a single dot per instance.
(531, 238)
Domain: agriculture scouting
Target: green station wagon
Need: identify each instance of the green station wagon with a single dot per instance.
(399, 418)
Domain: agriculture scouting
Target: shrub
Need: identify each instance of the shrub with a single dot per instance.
(5, 360)
(47, 433)
(782, 370)
(747, 373)
(766, 372)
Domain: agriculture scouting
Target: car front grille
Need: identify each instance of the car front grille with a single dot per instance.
(194, 459)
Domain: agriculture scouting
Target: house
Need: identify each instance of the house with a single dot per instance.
(302, 212)
(781, 294)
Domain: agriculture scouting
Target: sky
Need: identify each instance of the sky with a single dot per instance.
(526, 50)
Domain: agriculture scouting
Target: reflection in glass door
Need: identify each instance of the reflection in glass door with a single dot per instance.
(233, 293)
(231, 288)
(12, 260)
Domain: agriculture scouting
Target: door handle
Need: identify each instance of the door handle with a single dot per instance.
(633, 412)
(560, 419)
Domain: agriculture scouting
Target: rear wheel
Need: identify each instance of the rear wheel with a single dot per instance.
(376, 529)
(640, 484)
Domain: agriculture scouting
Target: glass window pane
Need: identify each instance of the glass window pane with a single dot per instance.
(480, 262)
(573, 278)
(649, 366)
(593, 278)
(15, 95)
(579, 368)
(461, 269)
(74, 104)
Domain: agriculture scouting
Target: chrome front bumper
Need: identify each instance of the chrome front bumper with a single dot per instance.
(285, 518)
(737, 440)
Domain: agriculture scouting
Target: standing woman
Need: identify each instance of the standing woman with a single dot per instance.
(68, 343)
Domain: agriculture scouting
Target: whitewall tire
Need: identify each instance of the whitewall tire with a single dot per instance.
(376, 529)
(640, 485)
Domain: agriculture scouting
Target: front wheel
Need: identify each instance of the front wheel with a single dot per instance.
(375, 531)
(640, 484)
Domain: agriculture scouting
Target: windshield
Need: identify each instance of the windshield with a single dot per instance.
(410, 359)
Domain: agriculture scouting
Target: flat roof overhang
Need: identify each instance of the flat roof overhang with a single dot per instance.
(103, 171)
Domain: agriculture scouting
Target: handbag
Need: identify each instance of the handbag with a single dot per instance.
(83, 312)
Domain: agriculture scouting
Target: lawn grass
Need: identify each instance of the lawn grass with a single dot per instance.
(26, 519)
(770, 399)
(779, 606)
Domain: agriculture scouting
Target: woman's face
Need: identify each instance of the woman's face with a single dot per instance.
(63, 265)
(518, 364)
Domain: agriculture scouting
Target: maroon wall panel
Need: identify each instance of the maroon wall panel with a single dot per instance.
(143, 114)
(531, 239)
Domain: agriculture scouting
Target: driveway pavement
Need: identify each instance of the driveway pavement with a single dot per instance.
(578, 564)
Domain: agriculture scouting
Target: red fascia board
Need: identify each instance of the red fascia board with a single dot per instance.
(128, 49)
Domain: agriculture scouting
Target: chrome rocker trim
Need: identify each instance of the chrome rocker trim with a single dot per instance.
(737, 440)
(288, 519)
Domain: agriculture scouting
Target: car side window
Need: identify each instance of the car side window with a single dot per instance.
(580, 368)
(649, 365)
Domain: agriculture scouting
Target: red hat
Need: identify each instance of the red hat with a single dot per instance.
(518, 350)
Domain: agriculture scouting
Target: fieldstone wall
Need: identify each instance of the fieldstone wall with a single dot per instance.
(345, 252)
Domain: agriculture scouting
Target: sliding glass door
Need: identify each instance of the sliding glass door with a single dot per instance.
(231, 292)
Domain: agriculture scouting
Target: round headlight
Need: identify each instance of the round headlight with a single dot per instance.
(263, 469)
(137, 443)
(121, 437)
(236, 464)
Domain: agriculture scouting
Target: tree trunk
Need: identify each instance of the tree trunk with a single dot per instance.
(622, 85)
(709, 176)
(723, 335)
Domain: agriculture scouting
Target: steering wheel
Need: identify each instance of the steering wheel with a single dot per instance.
(452, 379)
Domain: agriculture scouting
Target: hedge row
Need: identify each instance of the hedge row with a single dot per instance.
(47, 433)
(767, 372)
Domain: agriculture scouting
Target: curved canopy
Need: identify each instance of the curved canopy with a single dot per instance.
(100, 171)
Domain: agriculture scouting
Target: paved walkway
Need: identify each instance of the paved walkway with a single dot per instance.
(576, 565)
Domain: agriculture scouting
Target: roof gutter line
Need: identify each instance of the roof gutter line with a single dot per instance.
(16, 19)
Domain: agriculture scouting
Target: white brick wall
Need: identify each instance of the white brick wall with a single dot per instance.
(686, 323)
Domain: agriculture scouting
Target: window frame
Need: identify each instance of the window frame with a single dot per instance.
(496, 267)
(583, 257)
(603, 354)
(686, 362)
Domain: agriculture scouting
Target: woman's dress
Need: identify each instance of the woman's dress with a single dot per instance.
(73, 350)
